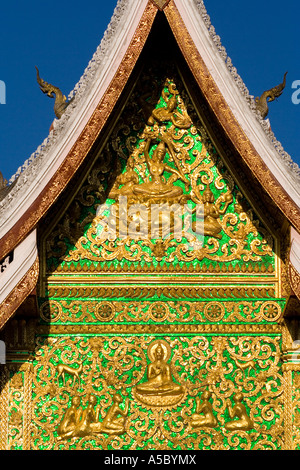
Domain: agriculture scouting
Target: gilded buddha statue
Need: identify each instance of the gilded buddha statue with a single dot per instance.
(160, 388)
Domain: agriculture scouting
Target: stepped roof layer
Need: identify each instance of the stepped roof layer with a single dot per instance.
(44, 176)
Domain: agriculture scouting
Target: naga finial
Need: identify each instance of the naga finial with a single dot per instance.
(268, 96)
(61, 102)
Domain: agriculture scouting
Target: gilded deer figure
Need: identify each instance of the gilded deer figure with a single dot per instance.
(62, 369)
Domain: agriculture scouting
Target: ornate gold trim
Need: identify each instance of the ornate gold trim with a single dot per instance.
(226, 118)
(191, 291)
(19, 293)
(86, 139)
(110, 329)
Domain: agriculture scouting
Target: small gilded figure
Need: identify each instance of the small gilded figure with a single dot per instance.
(239, 416)
(204, 417)
(115, 419)
(70, 420)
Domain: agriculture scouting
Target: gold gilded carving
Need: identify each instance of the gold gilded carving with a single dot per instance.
(238, 414)
(134, 311)
(212, 212)
(52, 91)
(70, 419)
(227, 119)
(168, 113)
(157, 188)
(205, 328)
(268, 96)
(204, 417)
(190, 292)
(63, 369)
(81, 423)
(159, 389)
(225, 406)
(115, 419)
(167, 164)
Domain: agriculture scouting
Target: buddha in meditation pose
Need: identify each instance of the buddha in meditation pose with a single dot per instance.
(238, 415)
(159, 389)
(204, 416)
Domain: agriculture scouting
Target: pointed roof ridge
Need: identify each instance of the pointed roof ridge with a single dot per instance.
(98, 59)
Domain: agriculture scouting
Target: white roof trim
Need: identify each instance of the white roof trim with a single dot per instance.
(25, 254)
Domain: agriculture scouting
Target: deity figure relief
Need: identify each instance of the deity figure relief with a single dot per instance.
(115, 419)
(159, 388)
(239, 416)
(204, 417)
(213, 211)
(158, 187)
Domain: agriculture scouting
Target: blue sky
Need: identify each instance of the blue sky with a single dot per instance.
(61, 37)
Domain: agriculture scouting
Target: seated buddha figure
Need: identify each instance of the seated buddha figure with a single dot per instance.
(157, 188)
(159, 389)
(204, 416)
(239, 416)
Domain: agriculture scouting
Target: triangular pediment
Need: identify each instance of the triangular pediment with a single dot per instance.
(159, 156)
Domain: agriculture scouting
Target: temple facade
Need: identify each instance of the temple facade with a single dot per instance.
(150, 255)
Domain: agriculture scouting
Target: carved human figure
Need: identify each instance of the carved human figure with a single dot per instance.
(159, 377)
(70, 419)
(204, 417)
(128, 179)
(213, 211)
(115, 419)
(239, 416)
(158, 187)
(83, 427)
